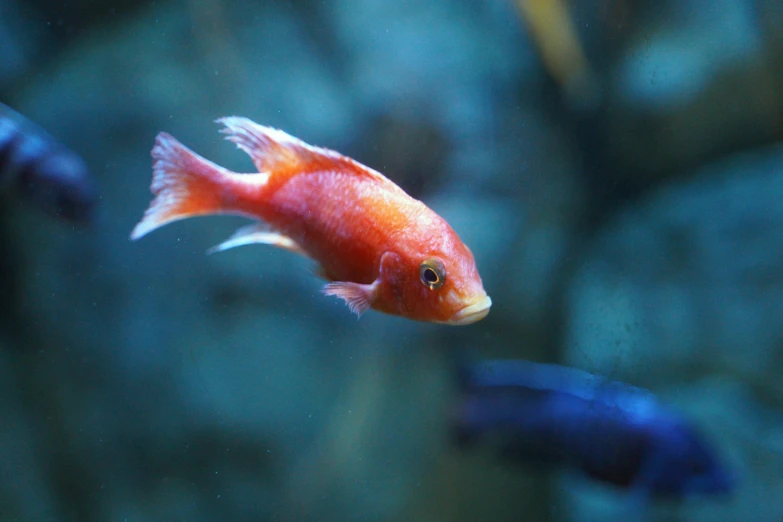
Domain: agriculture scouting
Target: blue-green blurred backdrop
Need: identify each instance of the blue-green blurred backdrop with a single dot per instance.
(624, 199)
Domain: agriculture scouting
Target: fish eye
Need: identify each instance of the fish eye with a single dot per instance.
(432, 273)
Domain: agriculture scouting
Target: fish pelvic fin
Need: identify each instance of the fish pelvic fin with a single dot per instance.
(359, 297)
(284, 156)
(186, 185)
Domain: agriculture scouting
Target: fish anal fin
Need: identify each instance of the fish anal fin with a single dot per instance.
(359, 297)
(282, 155)
(259, 233)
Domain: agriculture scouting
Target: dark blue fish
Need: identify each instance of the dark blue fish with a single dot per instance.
(44, 171)
(613, 432)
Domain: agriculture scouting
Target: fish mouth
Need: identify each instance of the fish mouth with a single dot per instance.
(472, 313)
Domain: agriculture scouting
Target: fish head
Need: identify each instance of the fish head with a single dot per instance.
(689, 465)
(436, 281)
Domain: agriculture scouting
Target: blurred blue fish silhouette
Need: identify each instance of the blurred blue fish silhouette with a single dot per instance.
(44, 171)
(613, 432)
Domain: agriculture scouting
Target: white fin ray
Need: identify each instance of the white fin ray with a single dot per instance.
(258, 233)
(278, 153)
(269, 148)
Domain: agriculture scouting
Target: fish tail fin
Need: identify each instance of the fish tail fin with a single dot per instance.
(186, 185)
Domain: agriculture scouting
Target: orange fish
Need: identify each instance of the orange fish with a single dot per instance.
(379, 247)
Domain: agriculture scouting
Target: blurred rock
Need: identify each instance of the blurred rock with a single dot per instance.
(685, 285)
(407, 149)
(690, 277)
(165, 384)
(25, 492)
(697, 79)
(454, 65)
(227, 386)
(16, 45)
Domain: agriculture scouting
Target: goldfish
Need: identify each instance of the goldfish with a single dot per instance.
(613, 432)
(377, 247)
(43, 171)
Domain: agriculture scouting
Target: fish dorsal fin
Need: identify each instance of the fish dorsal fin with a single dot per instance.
(280, 154)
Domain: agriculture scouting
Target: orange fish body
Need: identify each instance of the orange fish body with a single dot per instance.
(379, 247)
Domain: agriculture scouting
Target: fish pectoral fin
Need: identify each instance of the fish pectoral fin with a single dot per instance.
(258, 233)
(359, 297)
